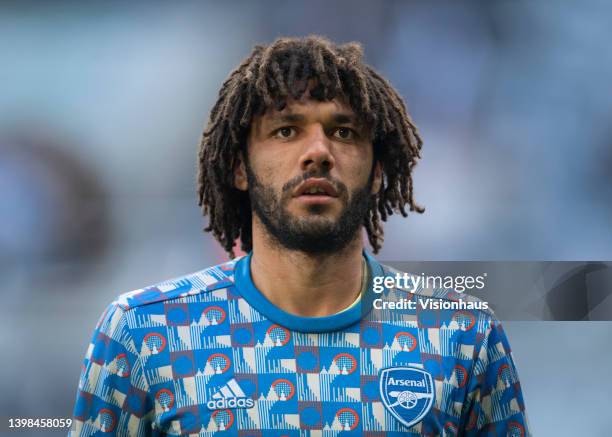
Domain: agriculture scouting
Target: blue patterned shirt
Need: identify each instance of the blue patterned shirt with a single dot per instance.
(207, 354)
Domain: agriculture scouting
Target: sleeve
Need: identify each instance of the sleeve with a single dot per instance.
(495, 399)
(113, 397)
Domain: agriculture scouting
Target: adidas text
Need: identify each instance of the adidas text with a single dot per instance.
(230, 403)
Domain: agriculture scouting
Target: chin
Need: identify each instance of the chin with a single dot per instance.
(316, 215)
(319, 210)
(315, 210)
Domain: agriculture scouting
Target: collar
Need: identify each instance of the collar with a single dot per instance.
(334, 322)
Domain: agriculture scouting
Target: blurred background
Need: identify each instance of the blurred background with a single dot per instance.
(102, 106)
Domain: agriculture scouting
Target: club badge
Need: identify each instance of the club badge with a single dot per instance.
(407, 393)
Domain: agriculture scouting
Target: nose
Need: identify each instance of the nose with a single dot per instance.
(317, 155)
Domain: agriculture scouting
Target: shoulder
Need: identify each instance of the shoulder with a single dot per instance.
(202, 281)
(438, 288)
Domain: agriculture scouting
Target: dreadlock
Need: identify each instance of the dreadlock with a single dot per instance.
(266, 79)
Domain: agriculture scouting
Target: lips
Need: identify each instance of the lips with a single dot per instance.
(316, 187)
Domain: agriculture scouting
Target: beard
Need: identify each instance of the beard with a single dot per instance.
(312, 233)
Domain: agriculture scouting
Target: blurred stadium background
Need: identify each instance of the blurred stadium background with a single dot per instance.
(102, 106)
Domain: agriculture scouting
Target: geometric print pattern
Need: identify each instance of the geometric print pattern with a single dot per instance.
(160, 354)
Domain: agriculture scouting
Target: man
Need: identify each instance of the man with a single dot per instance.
(304, 147)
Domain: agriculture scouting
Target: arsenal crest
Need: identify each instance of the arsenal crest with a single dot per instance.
(407, 393)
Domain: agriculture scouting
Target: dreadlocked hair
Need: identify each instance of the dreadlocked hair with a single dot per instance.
(266, 79)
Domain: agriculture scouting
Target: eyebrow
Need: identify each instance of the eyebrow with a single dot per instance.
(343, 118)
(338, 117)
(290, 118)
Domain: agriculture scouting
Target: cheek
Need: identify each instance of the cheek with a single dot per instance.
(267, 175)
(355, 166)
(273, 166)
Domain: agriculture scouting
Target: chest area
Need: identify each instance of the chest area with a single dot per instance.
(263, 378)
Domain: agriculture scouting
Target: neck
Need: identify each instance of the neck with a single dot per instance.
(304, 284)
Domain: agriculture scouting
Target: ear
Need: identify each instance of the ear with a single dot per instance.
(377, 180)
(240, 177)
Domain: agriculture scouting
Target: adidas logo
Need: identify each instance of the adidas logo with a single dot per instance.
(230, 395)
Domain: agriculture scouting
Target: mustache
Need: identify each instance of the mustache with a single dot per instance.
(290, 185)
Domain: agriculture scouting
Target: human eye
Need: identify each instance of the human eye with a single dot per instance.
(284, 133)
(344, 133)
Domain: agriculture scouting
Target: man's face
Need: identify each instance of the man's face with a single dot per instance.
(310, 174)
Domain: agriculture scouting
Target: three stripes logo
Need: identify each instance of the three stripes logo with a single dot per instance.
(230, 395)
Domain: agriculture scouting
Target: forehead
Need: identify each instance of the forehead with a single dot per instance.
(308, 108)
